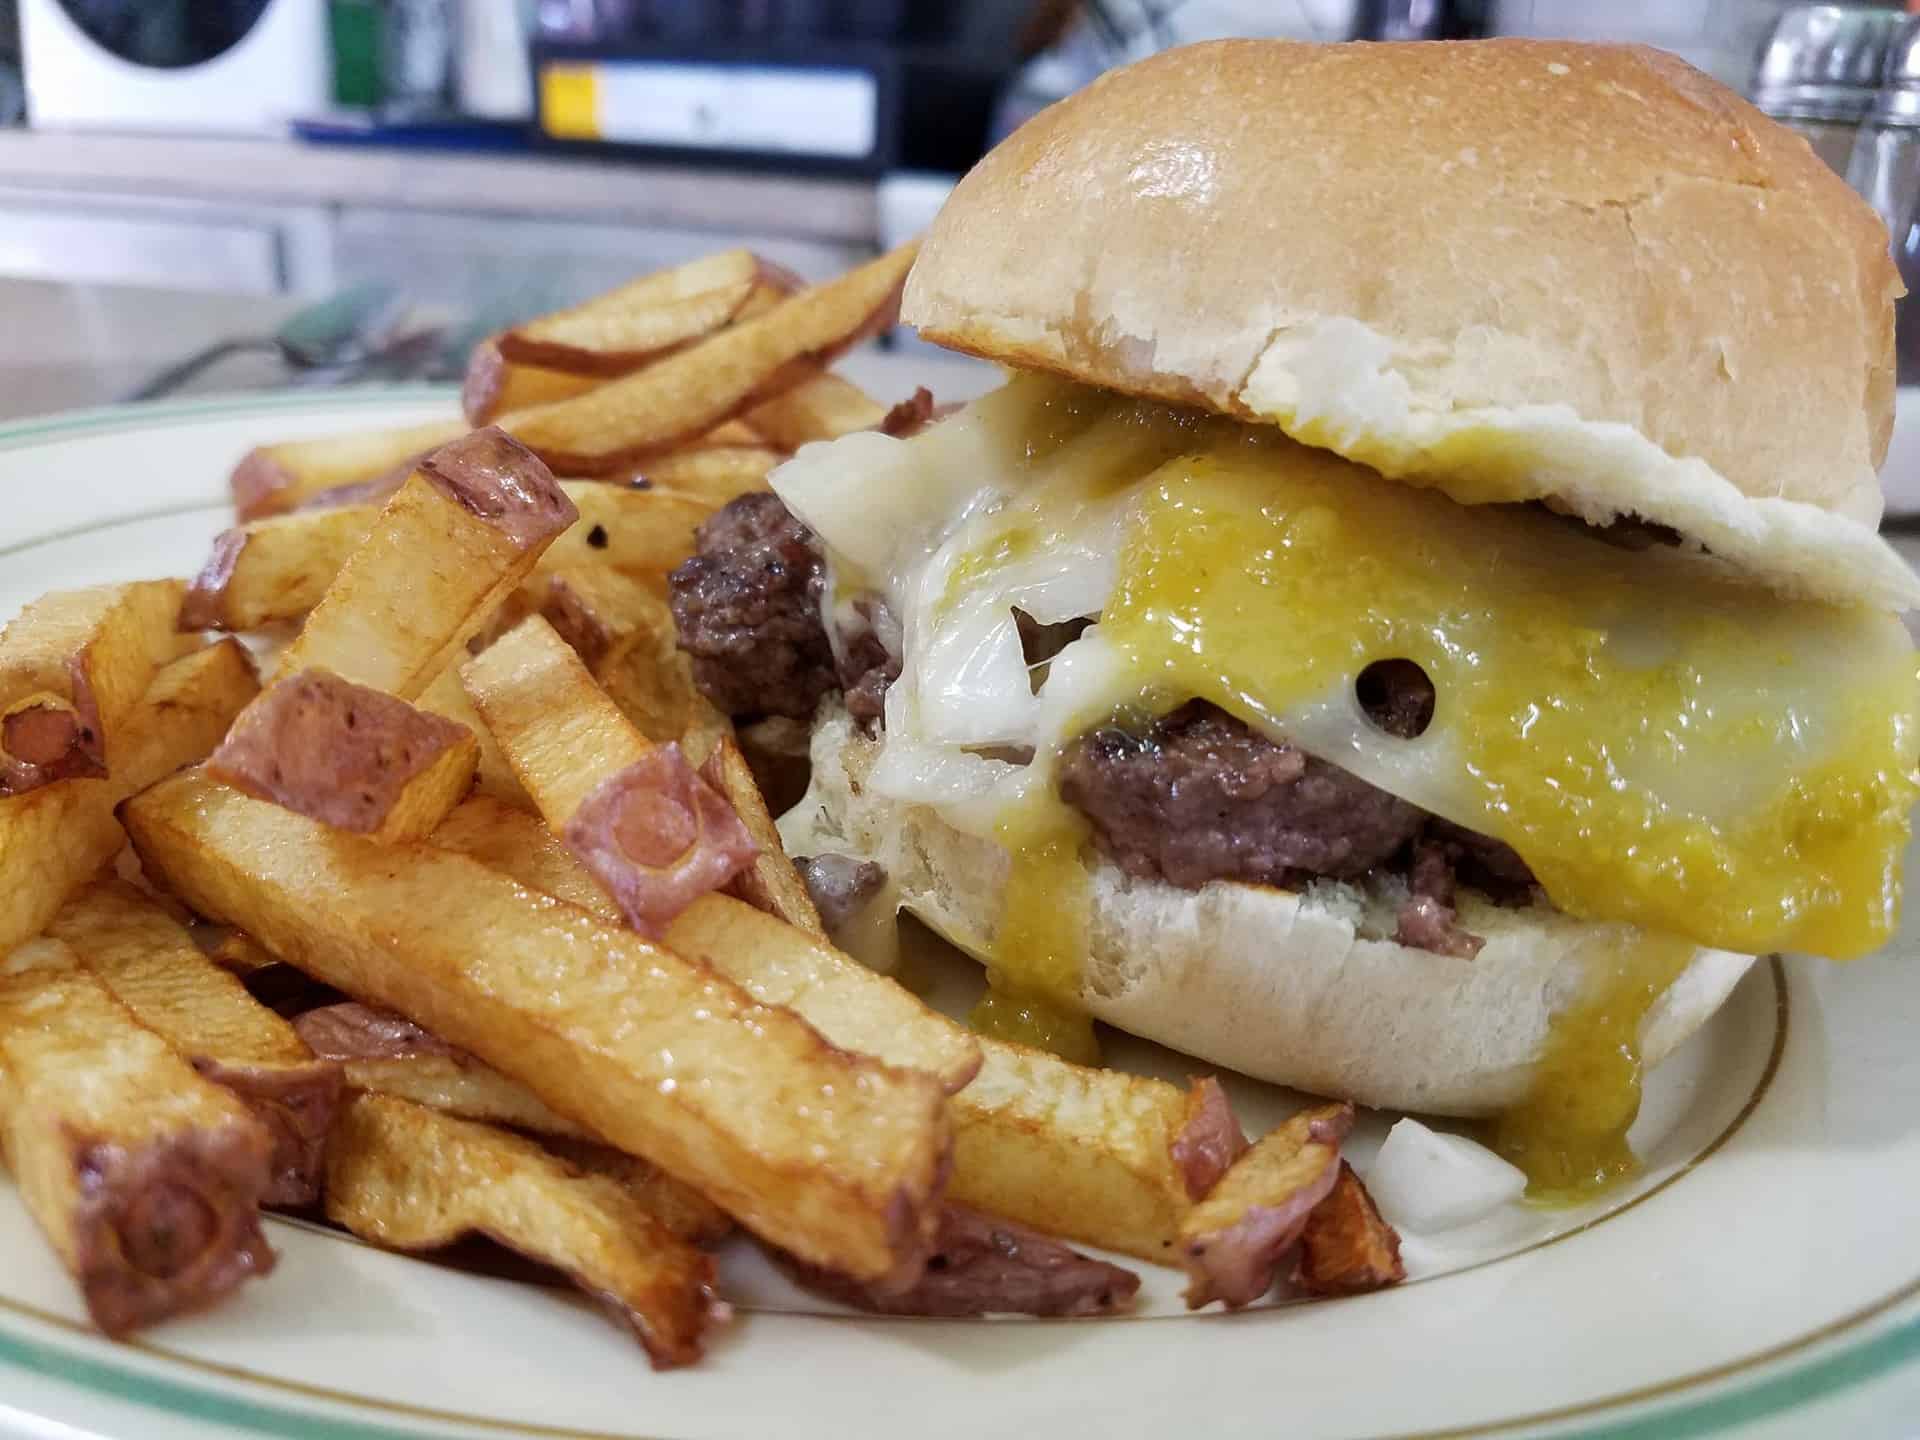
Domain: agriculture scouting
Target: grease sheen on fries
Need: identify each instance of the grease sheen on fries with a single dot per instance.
(410, 1179)
(833, 1156)
(145, 1178)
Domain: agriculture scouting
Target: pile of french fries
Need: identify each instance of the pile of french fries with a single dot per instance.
(563, 987)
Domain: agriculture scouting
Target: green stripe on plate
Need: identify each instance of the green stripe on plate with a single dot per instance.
(18, 433)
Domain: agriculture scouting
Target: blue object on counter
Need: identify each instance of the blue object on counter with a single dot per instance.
(447, 132)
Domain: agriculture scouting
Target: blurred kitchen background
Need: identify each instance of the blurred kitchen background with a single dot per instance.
(441, 168)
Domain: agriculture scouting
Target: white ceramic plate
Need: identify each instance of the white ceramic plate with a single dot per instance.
(1762, 1277)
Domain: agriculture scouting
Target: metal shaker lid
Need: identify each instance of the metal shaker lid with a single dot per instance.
(1898, 102)
(1824, 62)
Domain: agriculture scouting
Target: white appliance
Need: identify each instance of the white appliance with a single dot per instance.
(207, 65)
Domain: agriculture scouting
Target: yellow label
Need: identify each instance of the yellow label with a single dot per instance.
(570, 101)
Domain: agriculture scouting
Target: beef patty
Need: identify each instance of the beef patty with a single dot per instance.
(747, 608)
(1198, 796)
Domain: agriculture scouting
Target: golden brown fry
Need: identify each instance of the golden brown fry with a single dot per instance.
(275, 478)
(657, 695)
(823, 408)
(715, 475)
(732, 435)
(349, 755)
(772, 883)
(624, 329)
(73, 665)
(150, 965)
(274, 569)
(834, 1156)
(55, 839)
(1232, 1241)
(464, 530)
(495, 384)
(409, 1179)
(601, 612)
(642, 532)
(145, 1178)
(652, 832)
(234, 950)
(851, 1005)
(1347, 1248)
(447, 697)
(387, 1054)
(629, 421)
(1071, 1150)
(681, 1208)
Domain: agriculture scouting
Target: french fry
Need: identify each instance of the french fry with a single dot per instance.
(638, 532)
(409, 1179)
(771, 883)
(714, 474)
(145, 1178)
(349, 755)
(275, 478)
(387, 1054)
(823, 408)
(601, 612)
(55, 839)
(681, 1208)
(495, 384)
(851, 1005)
(73, 664)
(233, 950)
(652, 832)
(626, 328)
(730, 435)
(1346, 1247)
(1232, 1241)
(274, 569)
(149, 963)
(833, 1156)
(632, 420)
(384, 1054)
(464, 530)
(1071, 1150)
(447, 697)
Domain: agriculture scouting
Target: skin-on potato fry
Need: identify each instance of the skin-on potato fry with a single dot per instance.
(681, 1208)
(274, 569)
(600, 612)
(618, 332)
(1346, 1247)
(145, 1178)
(410, 1179)
(651, 831)
(823, 408)
(715, 474)
(639, 532)
(349, 755)
(275, 478)
(73, 664)
(464, 530)
(626, 422)
(387, 1054)
(495, 384)
(447, 697)
(55, 839)
(1232, 1241)
(1072, 1150)
(836, 1157)
(771, 883)
(150, 964)
(775, 963)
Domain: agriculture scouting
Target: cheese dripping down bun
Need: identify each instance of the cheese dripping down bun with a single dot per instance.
(1299, 378)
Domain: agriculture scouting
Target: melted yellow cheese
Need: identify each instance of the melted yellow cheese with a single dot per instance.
(1665, 744)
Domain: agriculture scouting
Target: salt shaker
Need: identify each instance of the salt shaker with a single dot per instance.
(1819, 70)
(1886, 170)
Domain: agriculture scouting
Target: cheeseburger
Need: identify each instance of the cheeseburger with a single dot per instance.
(1411, 626)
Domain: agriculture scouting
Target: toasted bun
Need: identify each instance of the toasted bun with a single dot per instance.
(1277, 985)
(1513, 269)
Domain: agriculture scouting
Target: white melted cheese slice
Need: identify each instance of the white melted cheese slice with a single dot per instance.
(1664, 743)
